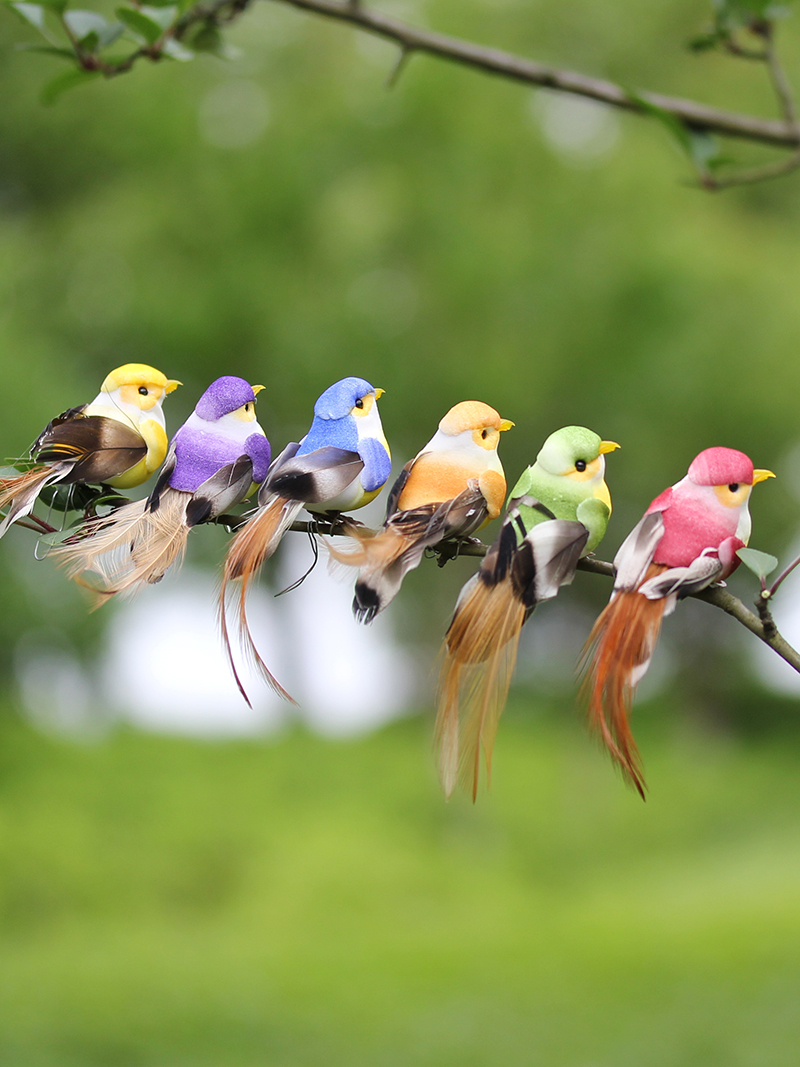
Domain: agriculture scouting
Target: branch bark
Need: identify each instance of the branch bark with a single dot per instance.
(717, 596)
(696, 116)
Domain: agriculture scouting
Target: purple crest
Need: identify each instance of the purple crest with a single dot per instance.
(223, 396)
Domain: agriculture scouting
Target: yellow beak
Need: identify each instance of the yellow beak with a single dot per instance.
(257, 389)
(506, 424)
(379, 393)
(171, 385)
(608, 446)
(761, 476)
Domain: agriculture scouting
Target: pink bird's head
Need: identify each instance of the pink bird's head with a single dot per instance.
(725, 466)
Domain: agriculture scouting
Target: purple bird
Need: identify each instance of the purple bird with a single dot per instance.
(213, 461)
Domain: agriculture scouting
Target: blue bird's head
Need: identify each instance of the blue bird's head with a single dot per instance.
(226, 395)
(350, 396)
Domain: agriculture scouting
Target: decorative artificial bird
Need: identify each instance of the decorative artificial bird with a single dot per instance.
(341, 464)
(118, 439)
(558, 512)
(451, 489)
(212, 463)
(687, 540)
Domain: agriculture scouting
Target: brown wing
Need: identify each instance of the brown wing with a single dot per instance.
(98, 448)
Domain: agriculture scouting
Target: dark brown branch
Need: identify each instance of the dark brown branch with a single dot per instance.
(517, 68)
(716, 595)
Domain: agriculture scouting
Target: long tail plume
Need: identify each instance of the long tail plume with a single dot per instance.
(249, 550)
(133, 546)
(480, 651)
(19, 494)
(615, 658)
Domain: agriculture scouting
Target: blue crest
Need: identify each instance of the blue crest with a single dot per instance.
(339, 399)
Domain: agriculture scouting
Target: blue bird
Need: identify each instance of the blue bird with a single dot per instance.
(341, 464)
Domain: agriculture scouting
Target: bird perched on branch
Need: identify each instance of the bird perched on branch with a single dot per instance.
(340, 465)
(213, 461)
(558, 511)
(687, 540)
(118, 439)
(451, 489)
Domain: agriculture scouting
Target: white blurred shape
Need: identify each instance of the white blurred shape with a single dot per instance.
(775, 672)
(350, 678)
(56, 690)
(165, 669)
(580, 131)
(233, 114)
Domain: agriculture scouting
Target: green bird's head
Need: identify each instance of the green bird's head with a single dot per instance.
(578, 454)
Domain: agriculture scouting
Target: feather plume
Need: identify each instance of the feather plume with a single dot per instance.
(250, 548)
(21, 493)
(615, 658)
(133, 546)
(479, 656)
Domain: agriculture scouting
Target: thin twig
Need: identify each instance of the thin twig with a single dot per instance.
(517, 68)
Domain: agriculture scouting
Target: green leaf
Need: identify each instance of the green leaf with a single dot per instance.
(59, 6)
(83, 23)
(140, 24)
(175, 50)
(31, 13)
(760, 563)
(164, 15)
(46, 50)
(208, 39)
(70, 79)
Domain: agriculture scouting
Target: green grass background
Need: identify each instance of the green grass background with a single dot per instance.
(306, 902)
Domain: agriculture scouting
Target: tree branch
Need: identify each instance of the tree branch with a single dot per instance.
(715, 595)
(517, 68)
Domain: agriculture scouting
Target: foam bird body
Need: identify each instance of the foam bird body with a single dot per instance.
(212, 463)
(118, 439)
(558, 511)
(340, 465)
(687, 539)
(451, 489)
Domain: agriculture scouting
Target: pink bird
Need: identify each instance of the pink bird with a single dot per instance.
(687, 540)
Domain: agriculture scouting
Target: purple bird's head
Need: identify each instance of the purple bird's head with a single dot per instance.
(339, 399)
(225, 395)
(721, 466)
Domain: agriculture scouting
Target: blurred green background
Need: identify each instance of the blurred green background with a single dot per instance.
(284, 217)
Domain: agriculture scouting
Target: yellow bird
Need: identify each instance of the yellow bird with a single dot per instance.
(118, 439)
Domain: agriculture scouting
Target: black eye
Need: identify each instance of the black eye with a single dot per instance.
(734, 487)
(484, 434)
(359, 403)
(580, 465)
(143, 390)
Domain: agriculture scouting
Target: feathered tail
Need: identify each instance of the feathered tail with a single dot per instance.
(383, 560)
(135, 545)
(249, 550)
(20, 494)
(616, 657)
(480, 651)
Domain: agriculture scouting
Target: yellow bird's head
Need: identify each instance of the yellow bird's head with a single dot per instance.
(139, 385)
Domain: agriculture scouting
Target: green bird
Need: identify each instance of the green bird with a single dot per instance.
(557, 512)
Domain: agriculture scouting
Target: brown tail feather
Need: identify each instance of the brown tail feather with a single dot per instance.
(101, 545)
(250, 548)
(369, 550)
(479, 656)
(622, 640)
(19, 494)
(132, 546)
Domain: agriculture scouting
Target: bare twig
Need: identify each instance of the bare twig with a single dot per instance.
(506, 64)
